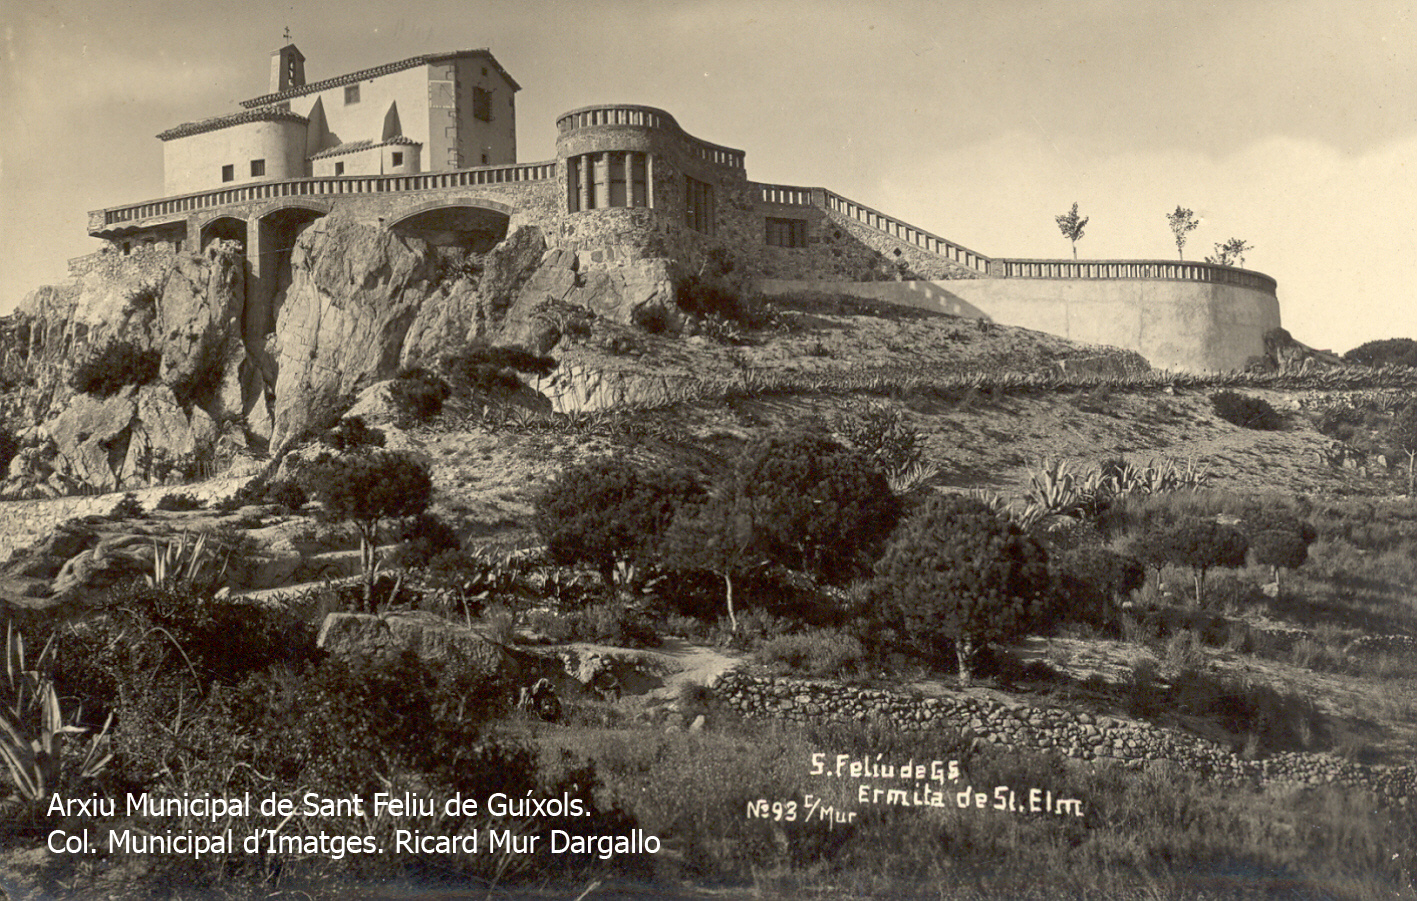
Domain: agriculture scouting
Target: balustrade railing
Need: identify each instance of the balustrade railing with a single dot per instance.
(783, 195)
(328, 185)
(648, 117)
(926, 241)
(1164, 270)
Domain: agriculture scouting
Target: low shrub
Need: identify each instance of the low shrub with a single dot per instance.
(351, 434)
(1246, 412)
(418, 394)
(283, 492)
(424, 537)
(119, 364)
(820, 652)
(9, 447)
(483, 369)
(179, 502)
(609, 622)
(129, 507)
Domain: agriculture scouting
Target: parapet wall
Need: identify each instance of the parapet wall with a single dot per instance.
(1174, 324)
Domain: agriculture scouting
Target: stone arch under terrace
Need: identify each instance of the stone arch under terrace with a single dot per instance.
(466, 224)
(278, 228)
(226, 228)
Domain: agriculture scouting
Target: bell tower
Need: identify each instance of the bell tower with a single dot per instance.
(287, 68)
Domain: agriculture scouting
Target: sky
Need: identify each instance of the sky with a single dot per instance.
(1289, 124)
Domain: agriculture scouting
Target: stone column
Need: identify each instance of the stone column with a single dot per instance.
(585, 162)
(261, 273)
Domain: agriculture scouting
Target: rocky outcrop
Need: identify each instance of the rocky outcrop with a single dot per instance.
(139, 436)
(201, 329)
(430, 637)
(355, 290)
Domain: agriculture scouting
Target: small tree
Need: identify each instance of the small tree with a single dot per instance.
(1231, 253)
(608, 511)
(1071, 225)
(368, 488)
(715, 535)
(955, 571)
(1091, 579)
(1283, 546)
(1182, 223)
(1201, 545)
(798, 501)
(1402, 433)
(815, 506)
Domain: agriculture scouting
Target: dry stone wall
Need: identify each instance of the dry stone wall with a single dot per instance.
(1051, 730)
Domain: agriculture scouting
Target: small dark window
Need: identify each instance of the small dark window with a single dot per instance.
(228, 173)
(482, 104)
(258, 168)
(698, 205)
(485, 159)
(339, 168)
(786, 232)
(484, 71)
(351, 94)
(397, 158)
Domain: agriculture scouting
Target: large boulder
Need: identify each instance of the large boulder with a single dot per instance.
(356, 288)
(92, 435)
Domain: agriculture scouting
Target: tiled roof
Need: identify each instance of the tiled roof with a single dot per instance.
(241, 118)
(356, 146)
(377, 71)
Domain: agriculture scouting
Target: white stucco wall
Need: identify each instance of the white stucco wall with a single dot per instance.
(194, 163)
(364, 121)
(1188, 325)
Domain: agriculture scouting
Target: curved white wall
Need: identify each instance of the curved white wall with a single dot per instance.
(194, 163)
(1187, 325)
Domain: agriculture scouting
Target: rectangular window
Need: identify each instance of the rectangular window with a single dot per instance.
(482, 104)
(639, 179)
(339, 168)
(351, 94)
(616, 164)
(258, 168)
(786, 232)
(698, 205)
(397, 158)
(228, 173)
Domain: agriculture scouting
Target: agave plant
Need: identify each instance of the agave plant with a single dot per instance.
(33, 763)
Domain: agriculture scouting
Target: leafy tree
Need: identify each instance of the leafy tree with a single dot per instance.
(1231, 253)
(1283, 546)
(1182, 223)
(1091, 579)
(368, 488)
(608, 511)
(1071, 225)
(814, 505)
(1200, 544)
(715, 535)
(1398, 351)
(956, 571)
(1402, 433)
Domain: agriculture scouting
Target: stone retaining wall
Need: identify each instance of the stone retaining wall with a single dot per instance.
(1078, 735)
(24, 522)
